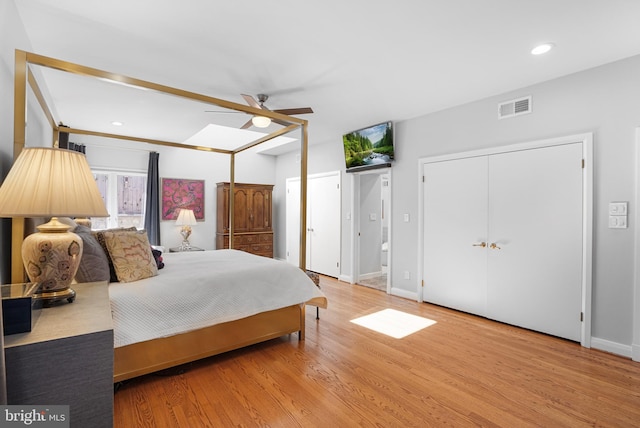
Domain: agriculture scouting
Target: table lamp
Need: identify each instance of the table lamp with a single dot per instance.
(49, 182)
(186, 219)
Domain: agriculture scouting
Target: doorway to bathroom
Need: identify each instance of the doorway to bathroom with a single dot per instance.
(372, 194)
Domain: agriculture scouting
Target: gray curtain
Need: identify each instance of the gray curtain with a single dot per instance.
(152, 215)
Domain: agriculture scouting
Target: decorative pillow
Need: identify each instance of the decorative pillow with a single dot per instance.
(157, 254)
(131, 255)
(99, 235)
(94, 265)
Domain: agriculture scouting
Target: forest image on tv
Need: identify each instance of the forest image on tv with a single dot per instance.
(369, 146)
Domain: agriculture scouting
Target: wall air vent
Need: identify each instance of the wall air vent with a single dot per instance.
(514, 108)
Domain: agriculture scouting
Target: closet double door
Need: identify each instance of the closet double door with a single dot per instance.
(503, 237)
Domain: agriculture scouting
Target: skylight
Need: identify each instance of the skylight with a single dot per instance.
(225, 137)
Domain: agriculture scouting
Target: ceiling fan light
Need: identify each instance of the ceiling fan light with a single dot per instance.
(260, 121)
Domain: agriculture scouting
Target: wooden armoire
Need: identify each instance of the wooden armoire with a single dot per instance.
(253, 229)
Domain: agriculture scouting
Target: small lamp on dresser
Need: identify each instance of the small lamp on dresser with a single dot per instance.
(50, 182)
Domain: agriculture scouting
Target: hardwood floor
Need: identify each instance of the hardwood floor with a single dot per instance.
(461, 371)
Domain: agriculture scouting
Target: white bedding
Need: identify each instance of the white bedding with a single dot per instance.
(202, 288)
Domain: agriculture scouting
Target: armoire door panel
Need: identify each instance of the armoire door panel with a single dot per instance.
(455, 227)
(535, 217)
(241, 210)
(258, 210)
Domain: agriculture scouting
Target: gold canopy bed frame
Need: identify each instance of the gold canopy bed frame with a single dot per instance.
(146, 357)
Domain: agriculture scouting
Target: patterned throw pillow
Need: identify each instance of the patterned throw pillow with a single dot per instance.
(131, 255)
(99, 235)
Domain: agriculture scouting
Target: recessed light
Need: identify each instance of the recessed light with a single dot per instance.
(116, 123)
(542, 48)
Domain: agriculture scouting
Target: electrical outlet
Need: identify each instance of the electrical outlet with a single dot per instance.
(617, 222)
(407, 274)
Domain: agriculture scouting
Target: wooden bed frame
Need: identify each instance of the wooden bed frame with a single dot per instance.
(153, 355)
(146, 357)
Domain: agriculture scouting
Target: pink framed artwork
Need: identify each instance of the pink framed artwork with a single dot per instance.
(179, 193)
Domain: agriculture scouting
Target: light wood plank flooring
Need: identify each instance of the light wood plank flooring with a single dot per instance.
(462, 371)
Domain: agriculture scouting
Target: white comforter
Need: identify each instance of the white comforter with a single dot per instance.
(202, 288)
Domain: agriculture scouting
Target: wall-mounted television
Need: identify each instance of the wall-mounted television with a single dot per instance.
(369, 148)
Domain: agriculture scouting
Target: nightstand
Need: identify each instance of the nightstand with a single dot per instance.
(67, 358)
(179, 250)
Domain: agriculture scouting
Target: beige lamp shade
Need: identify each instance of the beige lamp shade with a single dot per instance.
(186, 218)
(47, 182)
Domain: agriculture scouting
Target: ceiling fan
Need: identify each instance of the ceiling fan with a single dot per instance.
(262, 121)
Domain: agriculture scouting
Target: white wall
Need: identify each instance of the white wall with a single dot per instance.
(603, 100)
(181, 163)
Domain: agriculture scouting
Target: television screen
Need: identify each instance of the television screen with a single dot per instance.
(370, 147)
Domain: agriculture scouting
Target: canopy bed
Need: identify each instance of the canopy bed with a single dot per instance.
(141, 355)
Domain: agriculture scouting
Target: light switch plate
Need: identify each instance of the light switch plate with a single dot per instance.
(617, 208)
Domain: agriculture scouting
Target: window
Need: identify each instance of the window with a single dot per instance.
(124, 195)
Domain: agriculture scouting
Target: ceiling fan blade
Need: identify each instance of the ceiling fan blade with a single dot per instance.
(294, 111)
(251, 101)
(247, 125)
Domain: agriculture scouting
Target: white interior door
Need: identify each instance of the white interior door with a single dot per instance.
(535, 218)
(323, 223)
(455, 227)
(323, 240)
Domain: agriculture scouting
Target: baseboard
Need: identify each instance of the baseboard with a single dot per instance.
(345, 278)
(400, 292)
(612, 347)
(371, 275)
(635, 352)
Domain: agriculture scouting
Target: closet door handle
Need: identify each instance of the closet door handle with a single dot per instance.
(494, 246)
(481, 244)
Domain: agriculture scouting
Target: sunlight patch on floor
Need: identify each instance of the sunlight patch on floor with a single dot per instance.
(391, 322)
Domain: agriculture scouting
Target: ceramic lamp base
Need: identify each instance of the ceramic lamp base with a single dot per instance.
(51, 258)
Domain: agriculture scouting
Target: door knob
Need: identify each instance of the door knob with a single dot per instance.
(494, 246)
(481, 244)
